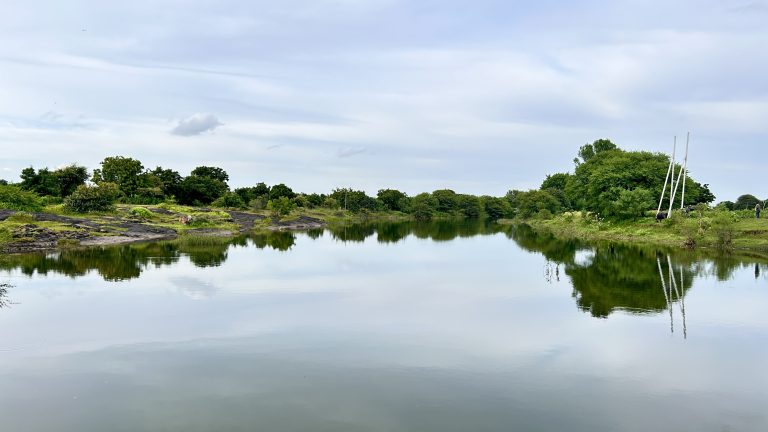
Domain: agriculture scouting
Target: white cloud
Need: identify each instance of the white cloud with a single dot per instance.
(196, 124)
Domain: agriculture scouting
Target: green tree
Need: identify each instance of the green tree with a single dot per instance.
(556, 181)
(630, 204)
(281, 190)
(592, 182)
(215, 173)
(125, 172)
(392, 199)
(588, 151)
(468, 206)
(70, 177)
(746, 201)
(530, 203)
(169, 181)
(423, 206)
(446, 200)
(197, 190)
(42, 182)
(229, 199)
(354, 200)
(495, 208)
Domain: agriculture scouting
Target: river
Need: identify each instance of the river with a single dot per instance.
(383, 327)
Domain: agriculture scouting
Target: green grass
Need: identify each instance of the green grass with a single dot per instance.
(701, 230)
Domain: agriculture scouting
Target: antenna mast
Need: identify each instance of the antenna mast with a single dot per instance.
(685, 169)
(666, 179)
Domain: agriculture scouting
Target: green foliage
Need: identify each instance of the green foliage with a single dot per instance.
(556, 181)
(168, 180)
(330, 203)
(200, 190)
(280, 190)
(423, 206)
(214, 173)
(393, 199)
(248, 194)
(588, 151)
(141, 213)
(14, 198)
(125, 172)
(229, 199)
(354, 200)
(495, 208)
(726, 205)
(92, 198)
(593, 184)
(468, 206)
(280, 207)
(530, 203)
(629, 204)
(746, 201)
(43, 182)
(446, 200)
(70, 177)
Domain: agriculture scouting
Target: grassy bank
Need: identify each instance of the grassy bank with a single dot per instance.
(709, 229)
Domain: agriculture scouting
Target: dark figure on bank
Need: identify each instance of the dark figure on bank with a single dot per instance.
(758, 208)
(660, 216)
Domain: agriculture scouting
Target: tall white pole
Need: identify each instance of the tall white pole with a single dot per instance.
(685, 169)
(672, 186)
(674, 191)
(666, 179)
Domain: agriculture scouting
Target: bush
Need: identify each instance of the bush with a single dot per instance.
(229, 199)
(13, 198)
(281, 207)
(92, 198)
(141, 213)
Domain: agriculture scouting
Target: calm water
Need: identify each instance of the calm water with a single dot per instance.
(392, 327)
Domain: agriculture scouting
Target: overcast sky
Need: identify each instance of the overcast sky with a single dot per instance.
(479, 96)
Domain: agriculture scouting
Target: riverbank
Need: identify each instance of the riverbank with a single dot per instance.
(726, 231)
(54, 229)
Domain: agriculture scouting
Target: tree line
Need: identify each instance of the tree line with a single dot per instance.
(126, 180)
(606, 181)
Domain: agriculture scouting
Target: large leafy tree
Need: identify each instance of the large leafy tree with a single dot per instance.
(168, 180)
(446, 200)
(42, 181)
(281, 190)
(70, 177)
(393, 199)
(125, 172)
(215, 173)
(597, 182)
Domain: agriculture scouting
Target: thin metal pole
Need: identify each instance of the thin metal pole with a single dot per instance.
(685, 169)
(664, 290)
(672, 186)
(666, 179)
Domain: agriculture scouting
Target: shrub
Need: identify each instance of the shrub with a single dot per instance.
(14, 198)
(92, 198)
(280, 207)
(229, 199)
(21, 217)
(141, 213)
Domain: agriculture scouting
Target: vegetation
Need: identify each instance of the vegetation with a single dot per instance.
(15, 198)
(88, 199)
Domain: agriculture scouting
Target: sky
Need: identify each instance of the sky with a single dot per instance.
(480, 97)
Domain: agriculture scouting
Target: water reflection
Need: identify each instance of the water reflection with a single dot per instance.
(4, 302)
(605, 277)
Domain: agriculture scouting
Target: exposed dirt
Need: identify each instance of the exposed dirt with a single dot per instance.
(302, 223)
(245, 220)
(111, 230)
(31, 237)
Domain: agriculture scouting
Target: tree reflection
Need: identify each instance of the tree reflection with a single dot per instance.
(4, 302)
(611, 277)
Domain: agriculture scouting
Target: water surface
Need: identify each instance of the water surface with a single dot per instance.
(383, 327)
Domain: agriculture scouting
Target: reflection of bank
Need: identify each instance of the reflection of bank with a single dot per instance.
(672, 294)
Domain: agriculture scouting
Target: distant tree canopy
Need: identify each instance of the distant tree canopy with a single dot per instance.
(59, 183)
(588, 151)
(393, 199)
(746, 201)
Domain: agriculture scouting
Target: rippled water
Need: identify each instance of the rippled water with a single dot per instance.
(388, 327)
